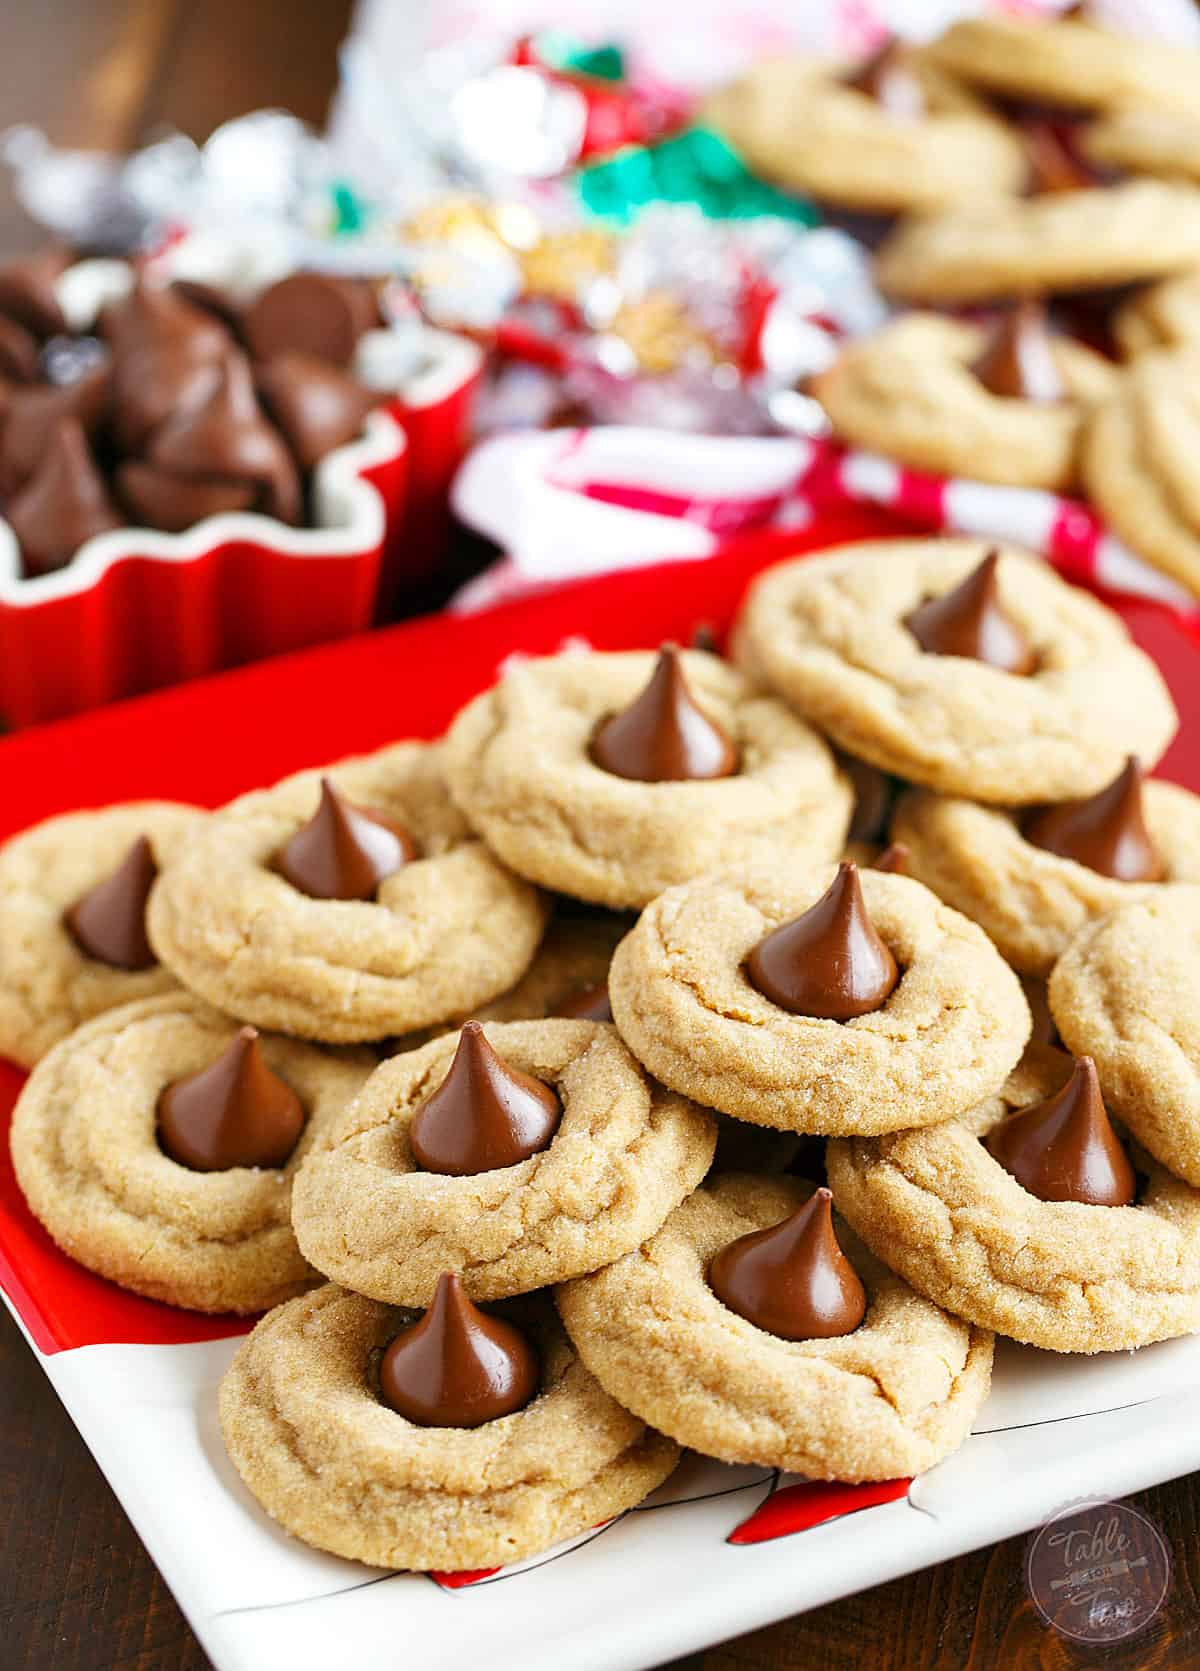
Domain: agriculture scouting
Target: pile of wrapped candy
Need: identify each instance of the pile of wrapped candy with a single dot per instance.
(722, 262)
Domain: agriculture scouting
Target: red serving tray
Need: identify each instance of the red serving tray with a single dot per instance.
(216, 737)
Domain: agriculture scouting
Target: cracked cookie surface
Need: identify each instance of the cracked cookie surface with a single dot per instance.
(451, 929)
(519, 766)
(624, 1156)
(1031, 903)
(909, 392)
(303, 1423)
(889, 1399)
(1031, 246)
(48, 985)
(1124, 993)
(794, 121)
(86, 1154)
(1057, 1274)
(828, 633)
(948, 1035)
(1139, 461)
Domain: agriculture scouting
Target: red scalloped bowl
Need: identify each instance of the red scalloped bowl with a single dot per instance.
(138, 609)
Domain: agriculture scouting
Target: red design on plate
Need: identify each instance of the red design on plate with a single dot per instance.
(216, 737)
(462, 1580)
(811, 1503)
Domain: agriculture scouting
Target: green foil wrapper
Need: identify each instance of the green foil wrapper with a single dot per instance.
(695, 166)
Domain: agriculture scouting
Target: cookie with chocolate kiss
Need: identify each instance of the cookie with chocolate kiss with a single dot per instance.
(748, 1279)
(109, 922)
(1106, 832)
(828, 962)
(236, 1112)
(457, 1366)
(1065, 1149)
(664, 735)
(485, 1114)
(64, 503)
(792, 1279)
(1018, 361)
(344, 851)
(887, 77)
(224, 442)
(971, 621)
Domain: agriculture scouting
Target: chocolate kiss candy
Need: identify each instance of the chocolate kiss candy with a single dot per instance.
(64, 503)
(893, 858)
(311, 313)
(316, 406)
(829, 962)
(153, 317)
(793, 1280)
(227, 437)
(1065, 1149)
(159, 500)
(970, 620)
(663, 736)
(109, 922)
(484, 1115)
(887, 78)
(1018, 362)
(457, 1367)
(1106, 832)
(32, 415)
(590, 1003)
(344, 851)
(18, 352)
(27, 291)
(234, 1113)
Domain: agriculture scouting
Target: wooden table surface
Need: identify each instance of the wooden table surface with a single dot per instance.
(77, 1590)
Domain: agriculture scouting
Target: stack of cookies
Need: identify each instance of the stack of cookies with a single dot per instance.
(1046, 171)
(502, 1068)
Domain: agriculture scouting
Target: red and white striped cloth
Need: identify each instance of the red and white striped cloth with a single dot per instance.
(564, 504)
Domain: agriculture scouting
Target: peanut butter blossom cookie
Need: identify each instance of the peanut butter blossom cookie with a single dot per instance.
(1139, 461)
(347, 905)
(158, 1145)
(890, 134)
(1034, 879)
(1160, 142)
(1069, 61)
(971, 672)
(1001, 405)
(752, 1330)
(612, 776)
(73, 895)
(1028, 246)
(1124, 992)
(477, 1439)
(815, 1001)
(1027, 1216)
(517, 1156)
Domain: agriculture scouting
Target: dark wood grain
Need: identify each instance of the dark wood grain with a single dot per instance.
(77, 1590)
